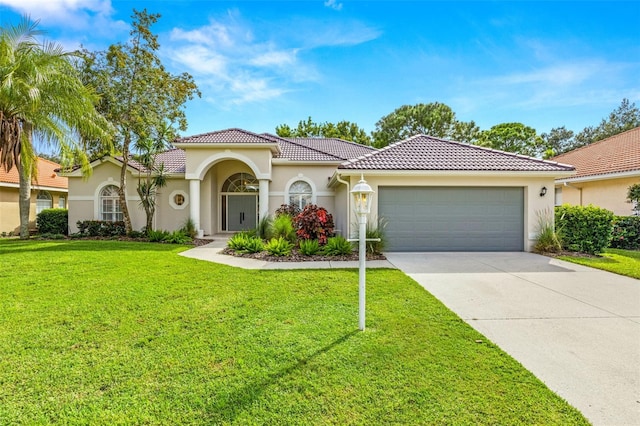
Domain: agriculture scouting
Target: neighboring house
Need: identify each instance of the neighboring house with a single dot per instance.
(48, 190)
(434, 194)
(604, 172)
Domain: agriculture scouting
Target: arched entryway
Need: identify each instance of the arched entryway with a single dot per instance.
(239, 202)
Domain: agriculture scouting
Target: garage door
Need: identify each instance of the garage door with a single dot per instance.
(453, 218)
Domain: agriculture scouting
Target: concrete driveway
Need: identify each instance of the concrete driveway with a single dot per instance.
(576, 328)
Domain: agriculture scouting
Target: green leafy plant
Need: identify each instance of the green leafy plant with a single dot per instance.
(189, 228)
(253, 245)
(314, 223)
(279, 247)
(376, 231)
(177, 237)
(264, 228)
(626, 232)
(584, 229)
(337, 246)
(158, 236)
(309, 247)
(282, 227)
(633, 196)
(101, 228)
(53, 221)
(547, 240)
(239, 241)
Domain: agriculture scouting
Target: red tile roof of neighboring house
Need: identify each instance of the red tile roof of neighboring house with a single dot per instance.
(46, 175)
(617, 154)
(428, 153)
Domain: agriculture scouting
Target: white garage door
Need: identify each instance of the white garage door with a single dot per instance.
(453, 218)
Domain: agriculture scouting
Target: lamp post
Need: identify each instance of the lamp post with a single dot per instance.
(362, 196)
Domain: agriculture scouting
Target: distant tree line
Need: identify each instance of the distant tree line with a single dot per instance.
(438, 120)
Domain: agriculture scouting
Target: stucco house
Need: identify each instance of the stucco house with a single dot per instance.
(48, 190)
(434, 194)
(604, 172)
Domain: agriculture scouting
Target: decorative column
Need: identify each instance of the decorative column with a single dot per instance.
(263, 199)
(194, 204)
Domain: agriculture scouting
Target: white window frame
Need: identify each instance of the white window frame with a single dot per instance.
(301, 178)
(62, 202)
(39, 201)
(172, 197)
(116, 214)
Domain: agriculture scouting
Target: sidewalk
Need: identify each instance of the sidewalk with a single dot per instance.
(212, 253)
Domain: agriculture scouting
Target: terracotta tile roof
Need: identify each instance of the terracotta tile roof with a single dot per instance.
(427, 153)
(174, 161)
(227, 136)
(46, 175)
(291, 150)
(617, 154)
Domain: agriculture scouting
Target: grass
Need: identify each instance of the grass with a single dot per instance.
(623, 262)
(106, 332)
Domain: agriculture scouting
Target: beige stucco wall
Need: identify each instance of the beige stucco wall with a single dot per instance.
(84, 200)
(10, 209)
(533, 202)
(610, 194)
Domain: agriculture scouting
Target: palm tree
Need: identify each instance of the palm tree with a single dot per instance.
(42, 98)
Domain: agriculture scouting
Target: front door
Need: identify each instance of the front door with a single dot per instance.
(242, 212)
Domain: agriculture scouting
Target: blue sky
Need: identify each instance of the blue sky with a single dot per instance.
(263, 63)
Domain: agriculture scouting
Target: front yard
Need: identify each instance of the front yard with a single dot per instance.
(104, 332)
(623, 262)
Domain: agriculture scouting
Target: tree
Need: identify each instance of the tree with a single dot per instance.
(152, 176)
(621, 119)
(433, 119)
(633, 196)
(345, 130)
(513, 137)
(42, 98)
(139, 96)
(557, 141)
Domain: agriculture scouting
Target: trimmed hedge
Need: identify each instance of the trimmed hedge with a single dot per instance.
(53, 221)
(584, 229)
(101, 228)
(626, 233)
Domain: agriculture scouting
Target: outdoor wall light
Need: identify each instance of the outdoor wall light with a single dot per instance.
(543, 191)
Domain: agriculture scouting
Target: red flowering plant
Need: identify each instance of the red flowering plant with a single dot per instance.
(314, 223)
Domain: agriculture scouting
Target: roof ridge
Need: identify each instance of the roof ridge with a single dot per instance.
(231, 129)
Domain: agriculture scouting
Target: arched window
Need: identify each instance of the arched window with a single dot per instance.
(110, 204)
(300, 194)
(43, 201)
(241, 182)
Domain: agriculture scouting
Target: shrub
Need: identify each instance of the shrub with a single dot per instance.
(239, 241)
(157, 236)
(137, 234)
(288, 209)
(253, 245)
(584, 229)
(51, 236)
(282, 227)
(314, 223)
(264, 228)
(177, 237)
(189, 228)
(101, 228)
(309, 247)
(337, 246)
(53, 221)
(626, 233)
(279, 247)
(376, 232)
(547, 240)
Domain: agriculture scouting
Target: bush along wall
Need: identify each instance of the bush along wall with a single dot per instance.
(584, 229)
(53, 221)
(626, 232)
(101, 228)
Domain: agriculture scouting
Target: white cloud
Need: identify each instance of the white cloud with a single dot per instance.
(333, 4)
(82, 16)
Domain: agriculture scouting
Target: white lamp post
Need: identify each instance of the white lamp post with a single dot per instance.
(362, 197)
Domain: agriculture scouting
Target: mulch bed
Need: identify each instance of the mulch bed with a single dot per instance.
(295, 256)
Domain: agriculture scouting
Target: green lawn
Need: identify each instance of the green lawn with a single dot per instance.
(104, 332)
(623, 262)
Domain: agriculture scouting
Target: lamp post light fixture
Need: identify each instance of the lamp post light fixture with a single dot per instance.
(362, 197)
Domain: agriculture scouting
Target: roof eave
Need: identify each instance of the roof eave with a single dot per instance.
(605, 176)
(420, 173)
